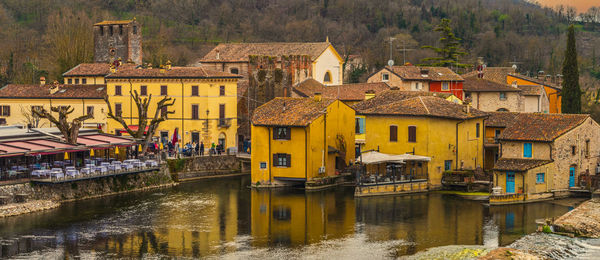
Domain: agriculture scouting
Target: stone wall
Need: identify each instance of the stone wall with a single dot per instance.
(88, 188)
(194, 167)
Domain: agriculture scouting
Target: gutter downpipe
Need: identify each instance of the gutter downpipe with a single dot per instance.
(182, 113)
(456, 147)
(270, 155)
(130, 104)
(305, 156)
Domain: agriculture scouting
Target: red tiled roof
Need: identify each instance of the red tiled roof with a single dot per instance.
(239, 52)
(174, 72)
(500, 119)
(424, 106)
(475, 84)
(508, 164)
(289, 111)
(541, 127)
(496, 74)
(346, 92)
(393, 95)
(411, 72)
(94, 69)
(531, 90)
(43, 91)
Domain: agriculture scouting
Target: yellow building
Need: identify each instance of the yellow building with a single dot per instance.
(205, 102)
(90, 73)
(451, 134)
(297, 139)
(552, 90)
(17, 100)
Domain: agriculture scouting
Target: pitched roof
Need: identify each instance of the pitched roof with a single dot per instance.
(346, 92)
(496, 74)
(239, 52)
(531, 90)
(93, 69)
(393, 95)
(114, 22)
(509, 164)
(500, 119)
(43, 91)
(541, 127)
(411, 72)
(289, 111)
(429, 106)
(174, 72)
(475, 84)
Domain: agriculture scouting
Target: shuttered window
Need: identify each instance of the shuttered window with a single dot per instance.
(195, 114)
(5, 110)
(282, 160)
(118, 90)
(90, 110)
(143, 90)
(282, 133)
(163, 90)
(222, 91)
(195, 91)
(477, 127)
(118, 109)
(360, 125)
(527, 150)
(393, 133)
(412, 134)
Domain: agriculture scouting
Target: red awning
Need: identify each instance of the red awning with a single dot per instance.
(110, 139)
(10, 149)
(90, 142)
(29, 146)
(56, 145)
(133, 128)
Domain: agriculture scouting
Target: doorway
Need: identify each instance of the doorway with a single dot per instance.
(510, 182)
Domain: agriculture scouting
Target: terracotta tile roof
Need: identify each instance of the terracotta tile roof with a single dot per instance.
(496, 74)
(500, 119)
(114, 22)
(43, 91)
(239, 52)
(429, 106)
(531, 90)
(93, 69)
(346, 92)
(541, 127)
(390, 96)
(475, 84)
(508, 164)
(174, 72)
(418, 73)
(289, 111)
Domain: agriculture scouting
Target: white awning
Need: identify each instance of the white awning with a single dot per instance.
(373, 157)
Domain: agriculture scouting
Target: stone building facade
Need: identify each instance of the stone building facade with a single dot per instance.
(488, 95)
(543, 154)
(115, 40)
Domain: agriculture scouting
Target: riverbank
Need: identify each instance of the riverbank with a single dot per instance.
(15, 209)
(583, 221)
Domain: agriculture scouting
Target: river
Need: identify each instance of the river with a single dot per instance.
(224, 218)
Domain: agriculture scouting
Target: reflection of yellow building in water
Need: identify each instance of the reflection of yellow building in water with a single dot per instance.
(205, 101)
(284, 217)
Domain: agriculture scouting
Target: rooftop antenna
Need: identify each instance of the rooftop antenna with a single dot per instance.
(404, 49)
(391, 60)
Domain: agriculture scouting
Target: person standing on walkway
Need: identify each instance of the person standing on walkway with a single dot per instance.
(201, 148)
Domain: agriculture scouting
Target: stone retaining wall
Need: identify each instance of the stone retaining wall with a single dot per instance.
(204, 166)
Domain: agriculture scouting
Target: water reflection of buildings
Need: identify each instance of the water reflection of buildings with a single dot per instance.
(298, 218)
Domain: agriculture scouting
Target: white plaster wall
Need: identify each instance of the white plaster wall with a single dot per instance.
(328, 61)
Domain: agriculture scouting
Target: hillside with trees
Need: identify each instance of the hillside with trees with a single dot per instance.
(47, 37)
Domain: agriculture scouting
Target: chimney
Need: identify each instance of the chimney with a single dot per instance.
(318, 96)
(168, 65)
(369, 94)
(514, 84)
(424, 72)
(218, 55)
(149, 65)
(162, 69)
(540, 75)
(53, 88)
(42, 81)
(113, 69)
(559, 78)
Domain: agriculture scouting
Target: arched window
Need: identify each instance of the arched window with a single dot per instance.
(327, 78)
(234, 71)
(502, 110)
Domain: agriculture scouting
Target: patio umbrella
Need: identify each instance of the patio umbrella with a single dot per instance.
(66, 156)
(175, 138)
(161, 146)
(116, 150)
(92, 152)
(140, 148)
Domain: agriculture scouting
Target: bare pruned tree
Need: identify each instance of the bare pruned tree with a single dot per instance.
(69, 130)
(30, 119)
(160, 114)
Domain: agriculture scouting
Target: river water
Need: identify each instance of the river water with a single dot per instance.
(225, 219)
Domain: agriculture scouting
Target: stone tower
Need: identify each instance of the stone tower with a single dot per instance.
(118, 39)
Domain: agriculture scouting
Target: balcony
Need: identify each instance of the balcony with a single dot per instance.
(224, 122)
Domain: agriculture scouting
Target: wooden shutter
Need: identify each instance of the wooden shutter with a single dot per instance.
(163, 90)
(393, 133)
(275, 131)
(288, 160)
(194, 90)
(222, 91)
(117, 90)
(275, 161)
(144, 90)
(118, 111)
(288, 133)
(412, 134)
(195, 112)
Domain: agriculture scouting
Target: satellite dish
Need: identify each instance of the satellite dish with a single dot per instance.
(390, 63)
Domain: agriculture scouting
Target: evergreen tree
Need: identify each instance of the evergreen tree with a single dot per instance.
(571, 92)
(449, 53)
